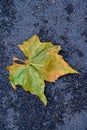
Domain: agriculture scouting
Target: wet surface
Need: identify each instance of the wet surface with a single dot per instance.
(61, 22)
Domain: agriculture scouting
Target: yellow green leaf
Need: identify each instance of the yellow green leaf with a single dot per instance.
(43, 63)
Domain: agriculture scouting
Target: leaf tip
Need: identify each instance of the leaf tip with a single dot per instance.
(19, 45)
(8, 68)
(14, 87)
(15, 58)
(75, 72)
(45, 103)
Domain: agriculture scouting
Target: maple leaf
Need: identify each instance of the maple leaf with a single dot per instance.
(43, 63)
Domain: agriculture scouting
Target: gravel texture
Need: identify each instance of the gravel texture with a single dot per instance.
(63, 22)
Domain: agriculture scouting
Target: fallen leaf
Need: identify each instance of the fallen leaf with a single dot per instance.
(43, 63)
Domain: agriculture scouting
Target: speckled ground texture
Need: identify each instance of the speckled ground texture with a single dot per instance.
(63, 22)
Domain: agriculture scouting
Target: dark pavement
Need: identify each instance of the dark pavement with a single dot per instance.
(63, 22)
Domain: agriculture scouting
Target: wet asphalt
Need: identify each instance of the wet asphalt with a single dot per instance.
(63, 22)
